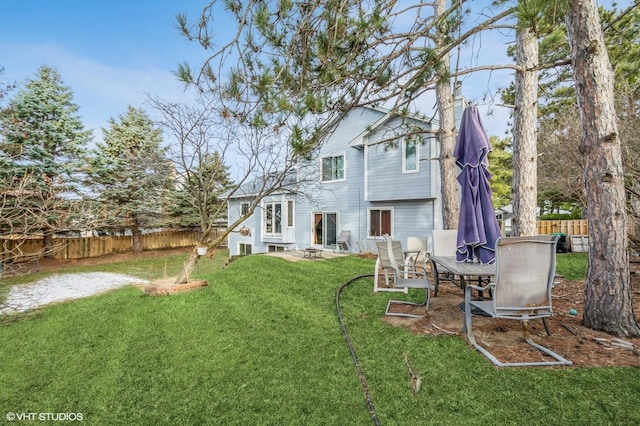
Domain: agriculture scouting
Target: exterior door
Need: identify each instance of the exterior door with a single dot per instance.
(325, 232)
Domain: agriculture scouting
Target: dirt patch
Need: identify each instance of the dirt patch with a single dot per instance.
(569, 337)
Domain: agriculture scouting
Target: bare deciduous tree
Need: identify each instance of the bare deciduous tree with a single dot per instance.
(262, 157)
(27, 208)
(320, 60)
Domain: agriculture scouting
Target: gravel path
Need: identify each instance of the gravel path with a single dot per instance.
(59, 287)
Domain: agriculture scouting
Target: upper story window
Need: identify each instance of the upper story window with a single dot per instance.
(410, 156)
(333, 168)
(244, 209)
(273, 218)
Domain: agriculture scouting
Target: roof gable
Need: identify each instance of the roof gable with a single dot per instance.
(385, 116)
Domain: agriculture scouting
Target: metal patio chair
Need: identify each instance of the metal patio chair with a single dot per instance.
(525, 268)
(383, 265)
(444, 244)
(417, 251)
(405, 276)
(342, 243)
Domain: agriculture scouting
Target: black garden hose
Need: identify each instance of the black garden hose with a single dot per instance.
(363, 380)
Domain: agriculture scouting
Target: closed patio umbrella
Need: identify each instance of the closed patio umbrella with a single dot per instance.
(478, 227)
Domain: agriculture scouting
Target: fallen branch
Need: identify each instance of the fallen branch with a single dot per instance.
(569, 329)
(443, 330)
(414, 380)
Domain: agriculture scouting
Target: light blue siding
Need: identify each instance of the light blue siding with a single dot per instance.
(373, 178)
(413, 219)
(253, 223)
(385, 177)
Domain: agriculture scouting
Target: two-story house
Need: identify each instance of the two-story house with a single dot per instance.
(369, 179)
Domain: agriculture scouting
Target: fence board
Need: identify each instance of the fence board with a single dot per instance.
(79, 248)
(569, 227)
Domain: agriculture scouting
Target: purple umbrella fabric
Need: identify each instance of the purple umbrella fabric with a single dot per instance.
(478, 228)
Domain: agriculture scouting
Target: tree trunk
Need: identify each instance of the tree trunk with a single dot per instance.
(48, 244)
(446, 135)
(189, 267)
(525, 152)
(136, 238)
(608, 301)
(194, 257)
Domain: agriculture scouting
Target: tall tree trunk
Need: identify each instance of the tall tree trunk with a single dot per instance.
(446, 134)
(608, 302)
(525, 152)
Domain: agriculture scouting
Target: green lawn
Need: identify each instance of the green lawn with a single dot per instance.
(262, 345)
(572, 266)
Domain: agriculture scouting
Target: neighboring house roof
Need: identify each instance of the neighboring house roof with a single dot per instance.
(506, 211)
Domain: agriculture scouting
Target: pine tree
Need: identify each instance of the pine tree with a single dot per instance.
(608, 294)
(313, 61)
(43, 144)
(197, 200)
(130, 171)
(5, 88)
(500, 160)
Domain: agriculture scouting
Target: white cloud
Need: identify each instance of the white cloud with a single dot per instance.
(102, 91)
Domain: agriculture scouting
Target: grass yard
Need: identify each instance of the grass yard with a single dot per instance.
(262, 345)
(573, 266)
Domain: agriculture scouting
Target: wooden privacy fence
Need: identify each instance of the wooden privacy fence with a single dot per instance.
(568, 227)
(80, 248)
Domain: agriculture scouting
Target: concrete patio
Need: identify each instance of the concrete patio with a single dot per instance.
(297, 255)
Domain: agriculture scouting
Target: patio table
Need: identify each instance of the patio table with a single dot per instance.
(460, 269)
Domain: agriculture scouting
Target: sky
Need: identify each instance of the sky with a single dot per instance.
(108, 52)
(113, 52)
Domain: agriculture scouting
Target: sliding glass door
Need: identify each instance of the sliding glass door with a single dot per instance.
(325, 230)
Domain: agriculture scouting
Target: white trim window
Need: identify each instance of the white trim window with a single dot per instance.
(410, 156)
(290, 214)
(272, 218)
(332, 168)
(379, 222)
(245, 249)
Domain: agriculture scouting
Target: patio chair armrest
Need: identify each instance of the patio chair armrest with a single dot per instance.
(417, 268)
(470, 287)
(413, 269)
